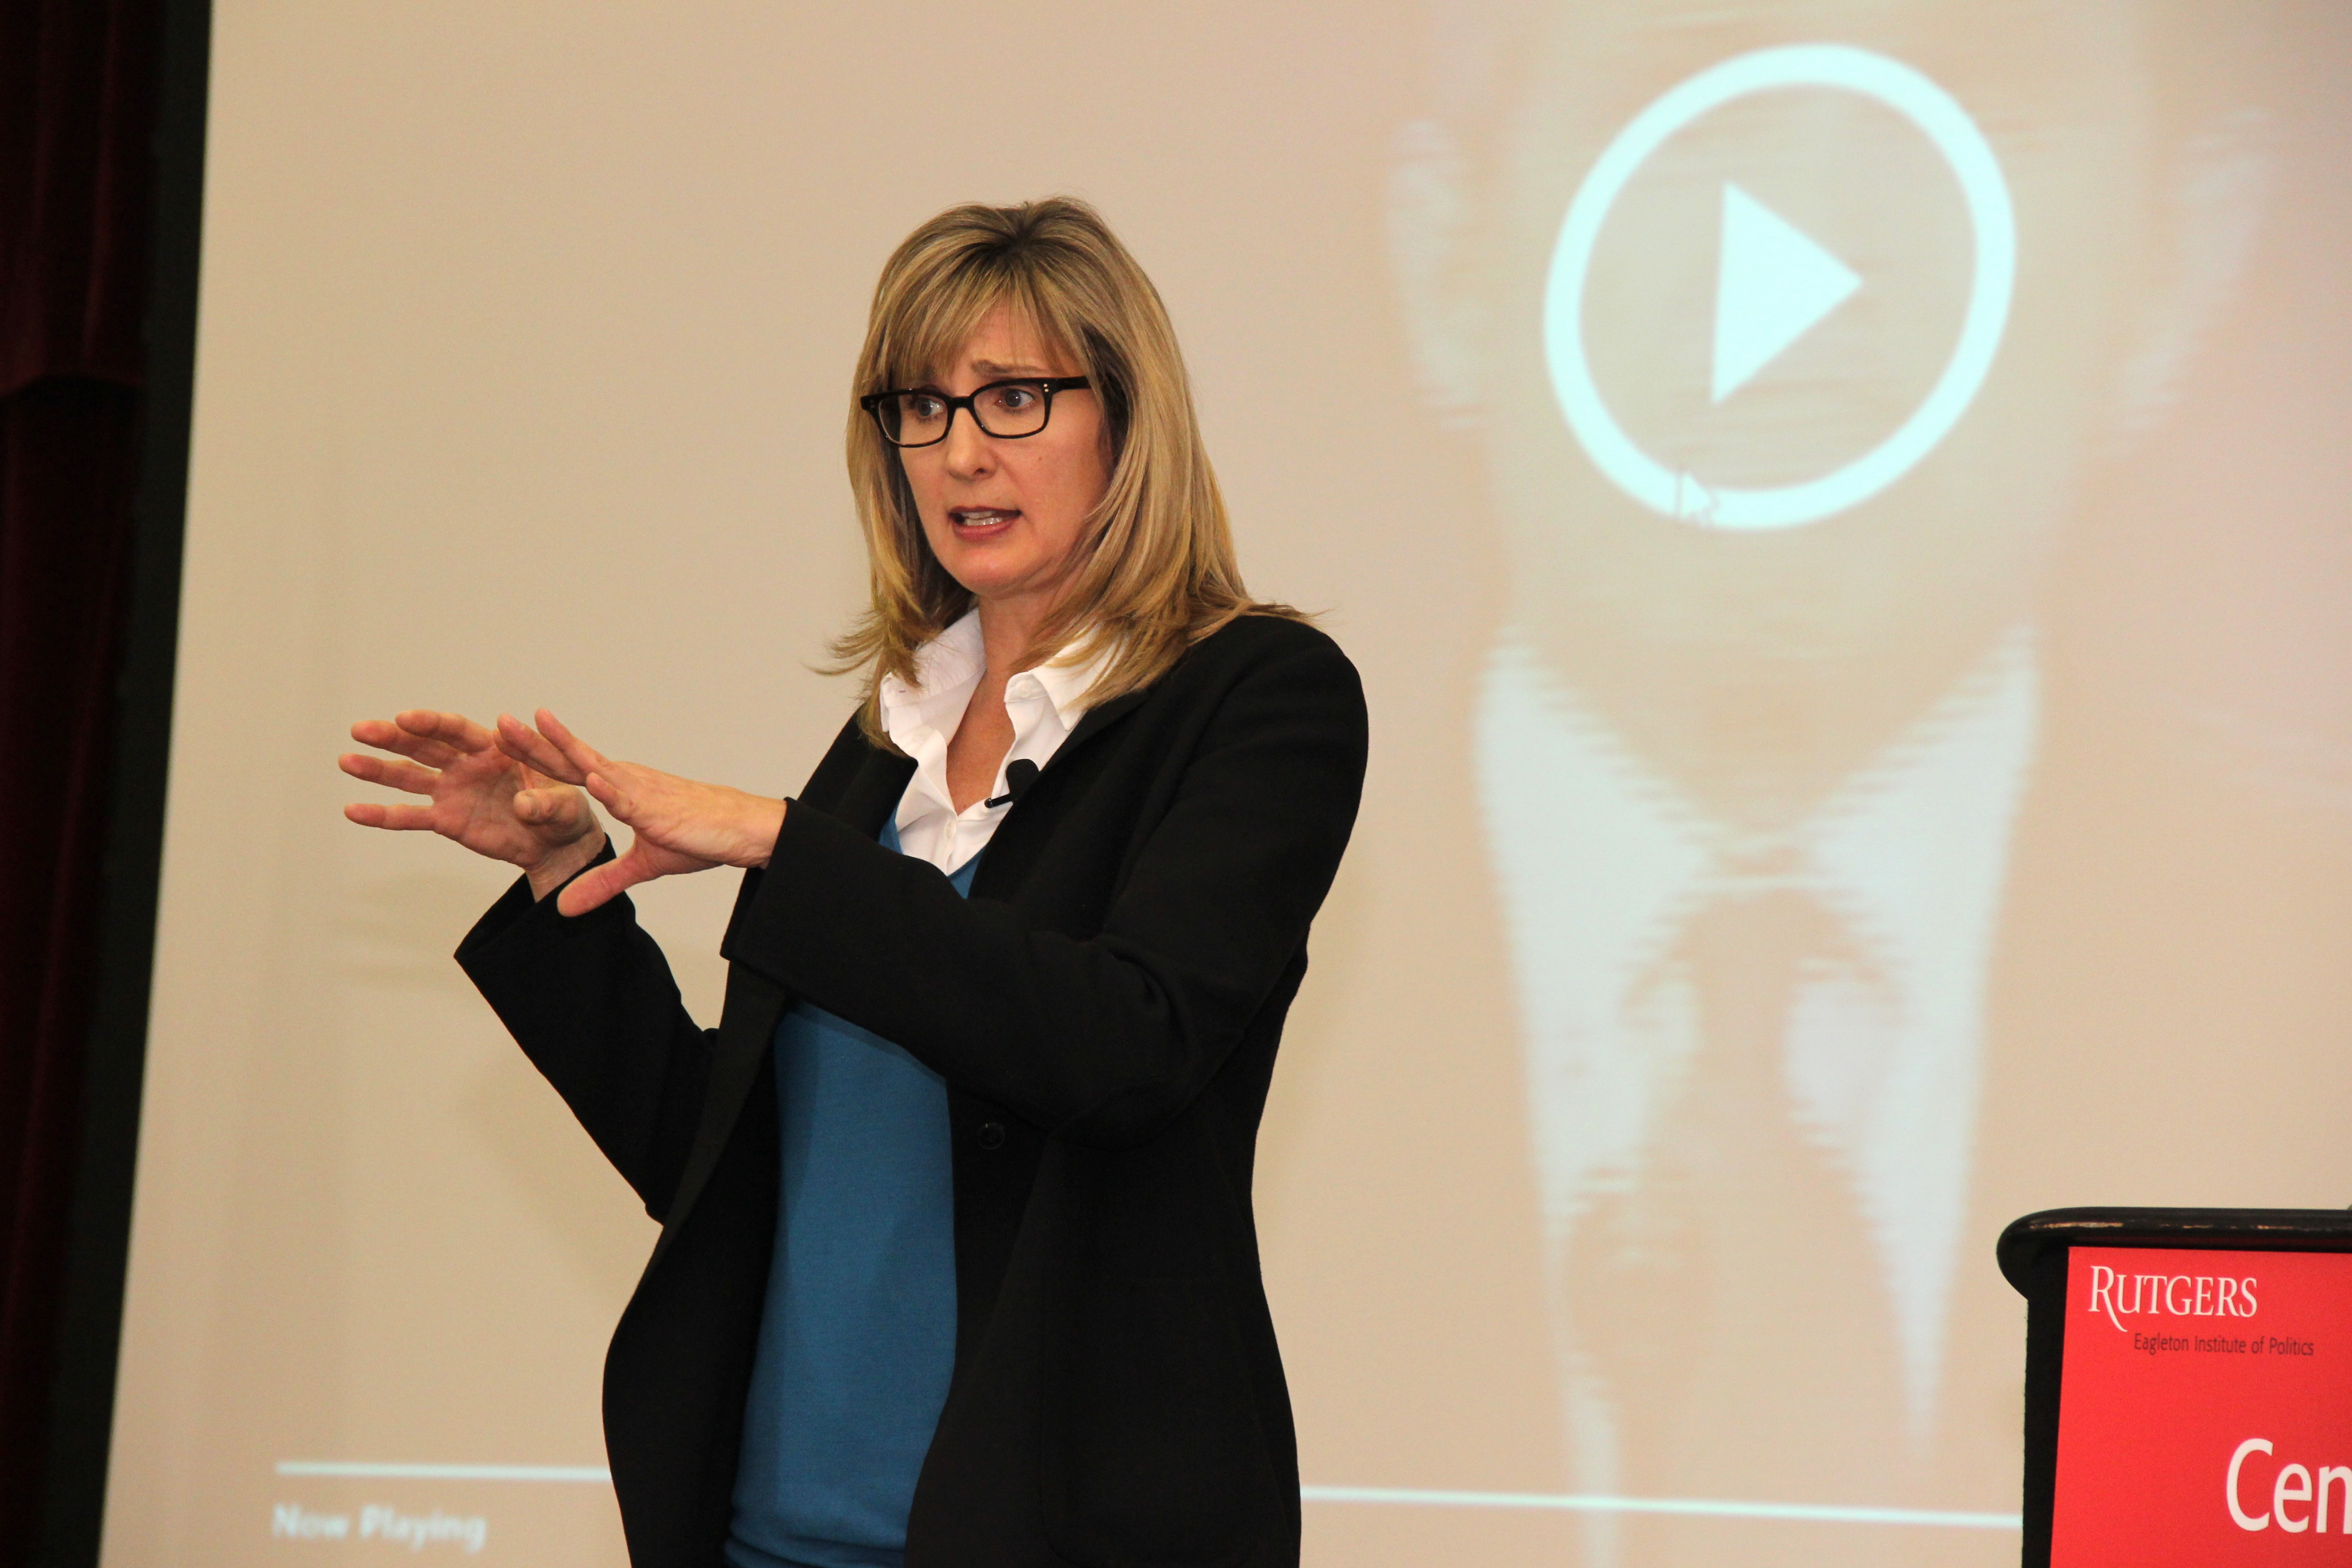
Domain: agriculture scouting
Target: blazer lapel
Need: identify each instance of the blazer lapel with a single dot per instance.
(1023, 831)
(747, 1024)
(1096, 721)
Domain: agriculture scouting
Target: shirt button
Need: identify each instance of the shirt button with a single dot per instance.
(992, 1134)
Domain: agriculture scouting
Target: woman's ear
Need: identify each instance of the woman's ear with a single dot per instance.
(1117, 413)
(1107, 373)
(1429, 213)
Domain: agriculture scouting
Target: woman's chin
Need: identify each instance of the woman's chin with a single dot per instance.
(986, 576)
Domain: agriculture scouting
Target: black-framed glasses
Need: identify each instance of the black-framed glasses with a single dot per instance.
(1007, 410)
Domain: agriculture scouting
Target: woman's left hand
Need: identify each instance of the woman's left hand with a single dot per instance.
(680, 826)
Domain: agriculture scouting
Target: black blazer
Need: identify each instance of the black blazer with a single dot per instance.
(1105, 1008)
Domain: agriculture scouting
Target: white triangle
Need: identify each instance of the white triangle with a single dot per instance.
(1772, 285)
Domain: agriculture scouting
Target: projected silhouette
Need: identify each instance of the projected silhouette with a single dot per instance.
(1750, 782)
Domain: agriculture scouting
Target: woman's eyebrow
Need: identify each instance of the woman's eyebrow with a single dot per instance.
(990, 367)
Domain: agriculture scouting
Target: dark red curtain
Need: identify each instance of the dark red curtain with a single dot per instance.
(77, 106)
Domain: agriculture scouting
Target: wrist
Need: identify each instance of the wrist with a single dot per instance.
(762, 820)
(561, 865)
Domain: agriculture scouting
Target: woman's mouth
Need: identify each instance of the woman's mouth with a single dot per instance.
(980, 521)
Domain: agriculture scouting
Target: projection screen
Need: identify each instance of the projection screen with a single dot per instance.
(1841, 511)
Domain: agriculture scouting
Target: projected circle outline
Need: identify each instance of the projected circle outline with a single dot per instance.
(1938, 117)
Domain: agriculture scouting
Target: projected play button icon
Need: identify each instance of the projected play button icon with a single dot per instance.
(1808, 401)
(1773, 285)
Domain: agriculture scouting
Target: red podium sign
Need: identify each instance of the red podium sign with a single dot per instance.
(2205, 1409)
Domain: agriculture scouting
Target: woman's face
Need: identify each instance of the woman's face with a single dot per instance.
(1005, 517)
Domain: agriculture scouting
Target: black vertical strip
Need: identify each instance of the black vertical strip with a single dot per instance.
(2045, 1349)
(81, 1409)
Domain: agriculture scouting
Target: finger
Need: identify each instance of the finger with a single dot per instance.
(398, 818)
(586, 758)
(390, 737)
(453, 730)
(395, 776)
(535, 751)
(608, 794)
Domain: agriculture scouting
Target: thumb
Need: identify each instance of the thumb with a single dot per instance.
(602, 884)
(548, 805)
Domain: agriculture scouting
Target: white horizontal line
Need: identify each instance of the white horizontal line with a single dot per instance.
(360, 1469)
(1828, 1513)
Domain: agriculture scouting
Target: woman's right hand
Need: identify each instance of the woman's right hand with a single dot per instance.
(480, 797)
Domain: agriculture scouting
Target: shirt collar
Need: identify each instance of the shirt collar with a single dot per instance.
(1069, 687)
(947, 667)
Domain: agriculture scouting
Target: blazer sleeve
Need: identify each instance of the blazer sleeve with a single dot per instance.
(593, 1003)
(1102, 1041)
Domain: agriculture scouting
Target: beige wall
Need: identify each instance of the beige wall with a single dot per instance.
(522, 356)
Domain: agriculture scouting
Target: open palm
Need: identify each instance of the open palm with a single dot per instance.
(475, 793)
(522, 795)
(680, 825)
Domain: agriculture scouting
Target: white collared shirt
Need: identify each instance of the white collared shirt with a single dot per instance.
(1603, 861)
(1045, 705)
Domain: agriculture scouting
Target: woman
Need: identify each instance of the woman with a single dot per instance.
(957, 1262)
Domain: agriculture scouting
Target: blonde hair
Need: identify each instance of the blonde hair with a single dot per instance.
(1156, 572)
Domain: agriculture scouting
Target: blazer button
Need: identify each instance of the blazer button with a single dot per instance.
(992, 1134)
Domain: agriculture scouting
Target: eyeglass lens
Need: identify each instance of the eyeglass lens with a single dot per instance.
(1007, 408)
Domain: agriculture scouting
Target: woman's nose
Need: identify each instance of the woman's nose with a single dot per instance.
(968, 452)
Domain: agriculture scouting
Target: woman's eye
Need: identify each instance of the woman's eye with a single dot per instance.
(922, 408)
(1013, 399)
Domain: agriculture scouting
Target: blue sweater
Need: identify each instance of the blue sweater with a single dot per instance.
(857, 1338)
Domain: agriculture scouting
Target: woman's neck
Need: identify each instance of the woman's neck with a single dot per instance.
(1008, 632)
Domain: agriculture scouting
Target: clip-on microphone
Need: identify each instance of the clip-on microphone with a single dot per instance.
(1018, 777)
